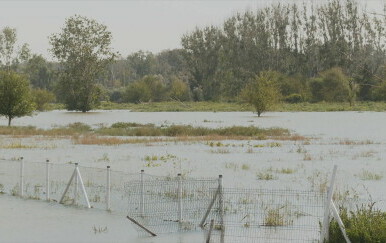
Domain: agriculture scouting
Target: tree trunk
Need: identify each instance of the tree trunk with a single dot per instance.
(9, 121)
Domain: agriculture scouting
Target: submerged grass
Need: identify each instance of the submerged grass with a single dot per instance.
(84, 134)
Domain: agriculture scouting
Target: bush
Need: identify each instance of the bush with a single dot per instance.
(366, 225)
(294, 98)
(42, 97)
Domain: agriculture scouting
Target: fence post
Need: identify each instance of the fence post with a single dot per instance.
(179, 197)
(21, 176)
(76, 184)
(47, 180)
(326, 219)
(142, 200)
(221, 209)
(108, 188)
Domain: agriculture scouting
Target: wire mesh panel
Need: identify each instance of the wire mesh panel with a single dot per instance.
(10, 177)
(165, 204)
(95, 181)
(258, 215)
(118, 195)
(35, 186)
(60, 175)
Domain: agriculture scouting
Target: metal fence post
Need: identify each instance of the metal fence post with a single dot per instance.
(76, 184)
(108, 188)
(21, 176)
(142, 200)
(221, 209)
(326, 219)
(179, 196)
(47, 180)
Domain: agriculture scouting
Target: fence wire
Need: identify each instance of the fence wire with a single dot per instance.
(259, 215)
(169, 204)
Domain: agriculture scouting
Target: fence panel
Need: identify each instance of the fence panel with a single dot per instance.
(169, 204)
(10, 177)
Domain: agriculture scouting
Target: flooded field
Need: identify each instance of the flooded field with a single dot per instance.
(355, 141)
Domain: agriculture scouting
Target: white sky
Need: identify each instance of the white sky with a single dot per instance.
(136, 25)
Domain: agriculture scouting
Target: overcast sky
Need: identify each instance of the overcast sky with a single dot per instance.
(135, 25)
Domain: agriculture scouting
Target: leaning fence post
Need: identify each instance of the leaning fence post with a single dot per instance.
(76, 184)
(108, 188)
(326, 219)
(179, 196)
(221, 209)
(47, 180)
(142, 200)
(21, 177)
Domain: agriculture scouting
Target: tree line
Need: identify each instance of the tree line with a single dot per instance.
(309, 53)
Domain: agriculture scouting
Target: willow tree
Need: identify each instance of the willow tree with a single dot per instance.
(83, 50)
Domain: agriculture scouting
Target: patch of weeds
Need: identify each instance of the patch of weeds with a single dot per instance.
(104, 158)
(232, 166)
(369, 176)
(249, 150)
(245, 167)
(220, 151)
(286, 171)
(279, 216)
(265, 175)
(365, 224)
(365, 154)
(99, 229)
(307, 157)
(319, 181)
(274, 144)
(2, 189)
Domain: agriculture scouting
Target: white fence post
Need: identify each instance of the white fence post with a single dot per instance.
(108, 189)
(179, 196)
(76, 184)
(221, 202)
(21, 176)
(47, 180)
(142, 199)
(324, 234)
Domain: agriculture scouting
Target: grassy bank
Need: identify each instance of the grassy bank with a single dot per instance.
(228, 107)
(174, 106)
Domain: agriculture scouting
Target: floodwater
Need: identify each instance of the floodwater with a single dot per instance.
(355, 141)
(353, 125)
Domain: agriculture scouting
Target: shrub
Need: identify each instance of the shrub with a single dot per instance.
(366, 225)
(294, 98)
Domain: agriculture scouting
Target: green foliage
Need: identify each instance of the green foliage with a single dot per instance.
(365, 225)
(83, 49)
(42, 98)
(149, 88)
(39, 72)
(331, 86)
(179, 90)
(15, 96)
(262, 92)
(10, 56)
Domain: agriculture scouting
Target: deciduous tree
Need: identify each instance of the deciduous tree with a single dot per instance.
(15, 96)
(83, 49)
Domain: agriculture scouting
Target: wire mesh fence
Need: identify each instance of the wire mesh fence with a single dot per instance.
(169, 204)
(259, 215)
(158, 204)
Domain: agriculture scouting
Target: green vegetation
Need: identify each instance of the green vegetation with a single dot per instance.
(365, 224)
(262, 92)
(83, 49)
(123, 129)
(42, 98)
(15, 96)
